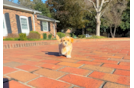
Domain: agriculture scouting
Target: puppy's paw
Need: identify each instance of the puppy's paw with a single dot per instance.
(68, 56)
(63, 53)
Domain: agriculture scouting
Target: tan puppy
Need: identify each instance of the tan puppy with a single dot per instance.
(65, 46)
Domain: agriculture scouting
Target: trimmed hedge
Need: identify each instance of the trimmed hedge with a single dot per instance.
(33, 35)
(44, 36)
(60, 34)
(22, 36)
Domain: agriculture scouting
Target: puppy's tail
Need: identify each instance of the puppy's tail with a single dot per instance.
(58, 38)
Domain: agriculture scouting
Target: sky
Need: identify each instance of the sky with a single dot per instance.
(17, 1)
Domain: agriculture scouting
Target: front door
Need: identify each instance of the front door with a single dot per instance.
(5, 33)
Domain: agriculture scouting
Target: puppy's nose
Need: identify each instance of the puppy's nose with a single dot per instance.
(65, 42)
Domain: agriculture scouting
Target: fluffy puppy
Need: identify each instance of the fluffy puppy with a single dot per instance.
(65, 46)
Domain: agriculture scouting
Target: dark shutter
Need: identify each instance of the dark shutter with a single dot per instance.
(48, 26)
(30, 23)
(8, 23)
(41, 26)
(18, 24)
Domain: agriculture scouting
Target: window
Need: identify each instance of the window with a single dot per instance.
(24, 22)
(45, 26)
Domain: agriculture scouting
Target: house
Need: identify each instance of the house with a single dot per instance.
(20, 19)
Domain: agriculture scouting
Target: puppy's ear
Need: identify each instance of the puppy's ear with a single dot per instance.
(72, 40)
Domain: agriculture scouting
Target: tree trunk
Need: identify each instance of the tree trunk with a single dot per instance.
(82, 31)
(98, 23)
(114, 31)
(111, 32)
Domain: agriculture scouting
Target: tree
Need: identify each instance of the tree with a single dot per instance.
(69, 13)
(100, 9)
(37, 5)
(27, 3)
(114, 15)
(40, 6)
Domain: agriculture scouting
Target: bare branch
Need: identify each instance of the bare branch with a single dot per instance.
(106, 7)
(104, 11)
(106, 1)
(93, 4)
(102, 2)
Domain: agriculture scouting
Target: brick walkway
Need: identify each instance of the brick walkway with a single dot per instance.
(96, 64)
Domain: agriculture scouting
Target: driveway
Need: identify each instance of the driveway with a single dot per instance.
(96, 64)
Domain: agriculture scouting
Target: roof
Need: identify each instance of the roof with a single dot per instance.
(40, 17)
(9, 4)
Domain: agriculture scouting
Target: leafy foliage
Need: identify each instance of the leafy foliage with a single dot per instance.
(44, 36)
(33, 35)
(69, 12)
(37, 5)
(12, 36)
(50, 36)
(22, 36)
(60, 34)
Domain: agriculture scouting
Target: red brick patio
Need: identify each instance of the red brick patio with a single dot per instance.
(94, 64)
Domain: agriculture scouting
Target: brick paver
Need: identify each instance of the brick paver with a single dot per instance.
(14, 84)
(94, 64)
(76, 71)
(44, 82)
(22, 76)
(98, 68)
(49, 73)
(82, 81)
(8, 70)
(111, 77)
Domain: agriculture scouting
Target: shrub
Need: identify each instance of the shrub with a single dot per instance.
(60, 34)
(96, 37)
(22, 36)
(79, 36)
(72, 34)
(44, 36)
(35, 32)
(50, 36)
(33, 35)
(8, 39)
(83, 36)
(12, 36)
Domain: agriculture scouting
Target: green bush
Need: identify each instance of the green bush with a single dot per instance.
(60, 34)
(81, 36)
(33, 35)
(50, 36)
(10, 39)
(35, 32)
(12, 36)
(72, 34)
(44, 36)
(96, 37)
(22, 36)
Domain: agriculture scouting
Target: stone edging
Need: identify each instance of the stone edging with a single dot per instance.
(37, 43)
(20, 45)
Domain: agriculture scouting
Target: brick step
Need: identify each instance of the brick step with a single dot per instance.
(26, 44)
(20, 44)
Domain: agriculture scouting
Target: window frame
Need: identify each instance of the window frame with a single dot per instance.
(27, 22)
(5, 25)
(43, 27)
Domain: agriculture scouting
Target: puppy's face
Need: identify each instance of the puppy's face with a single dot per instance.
(66, 41)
